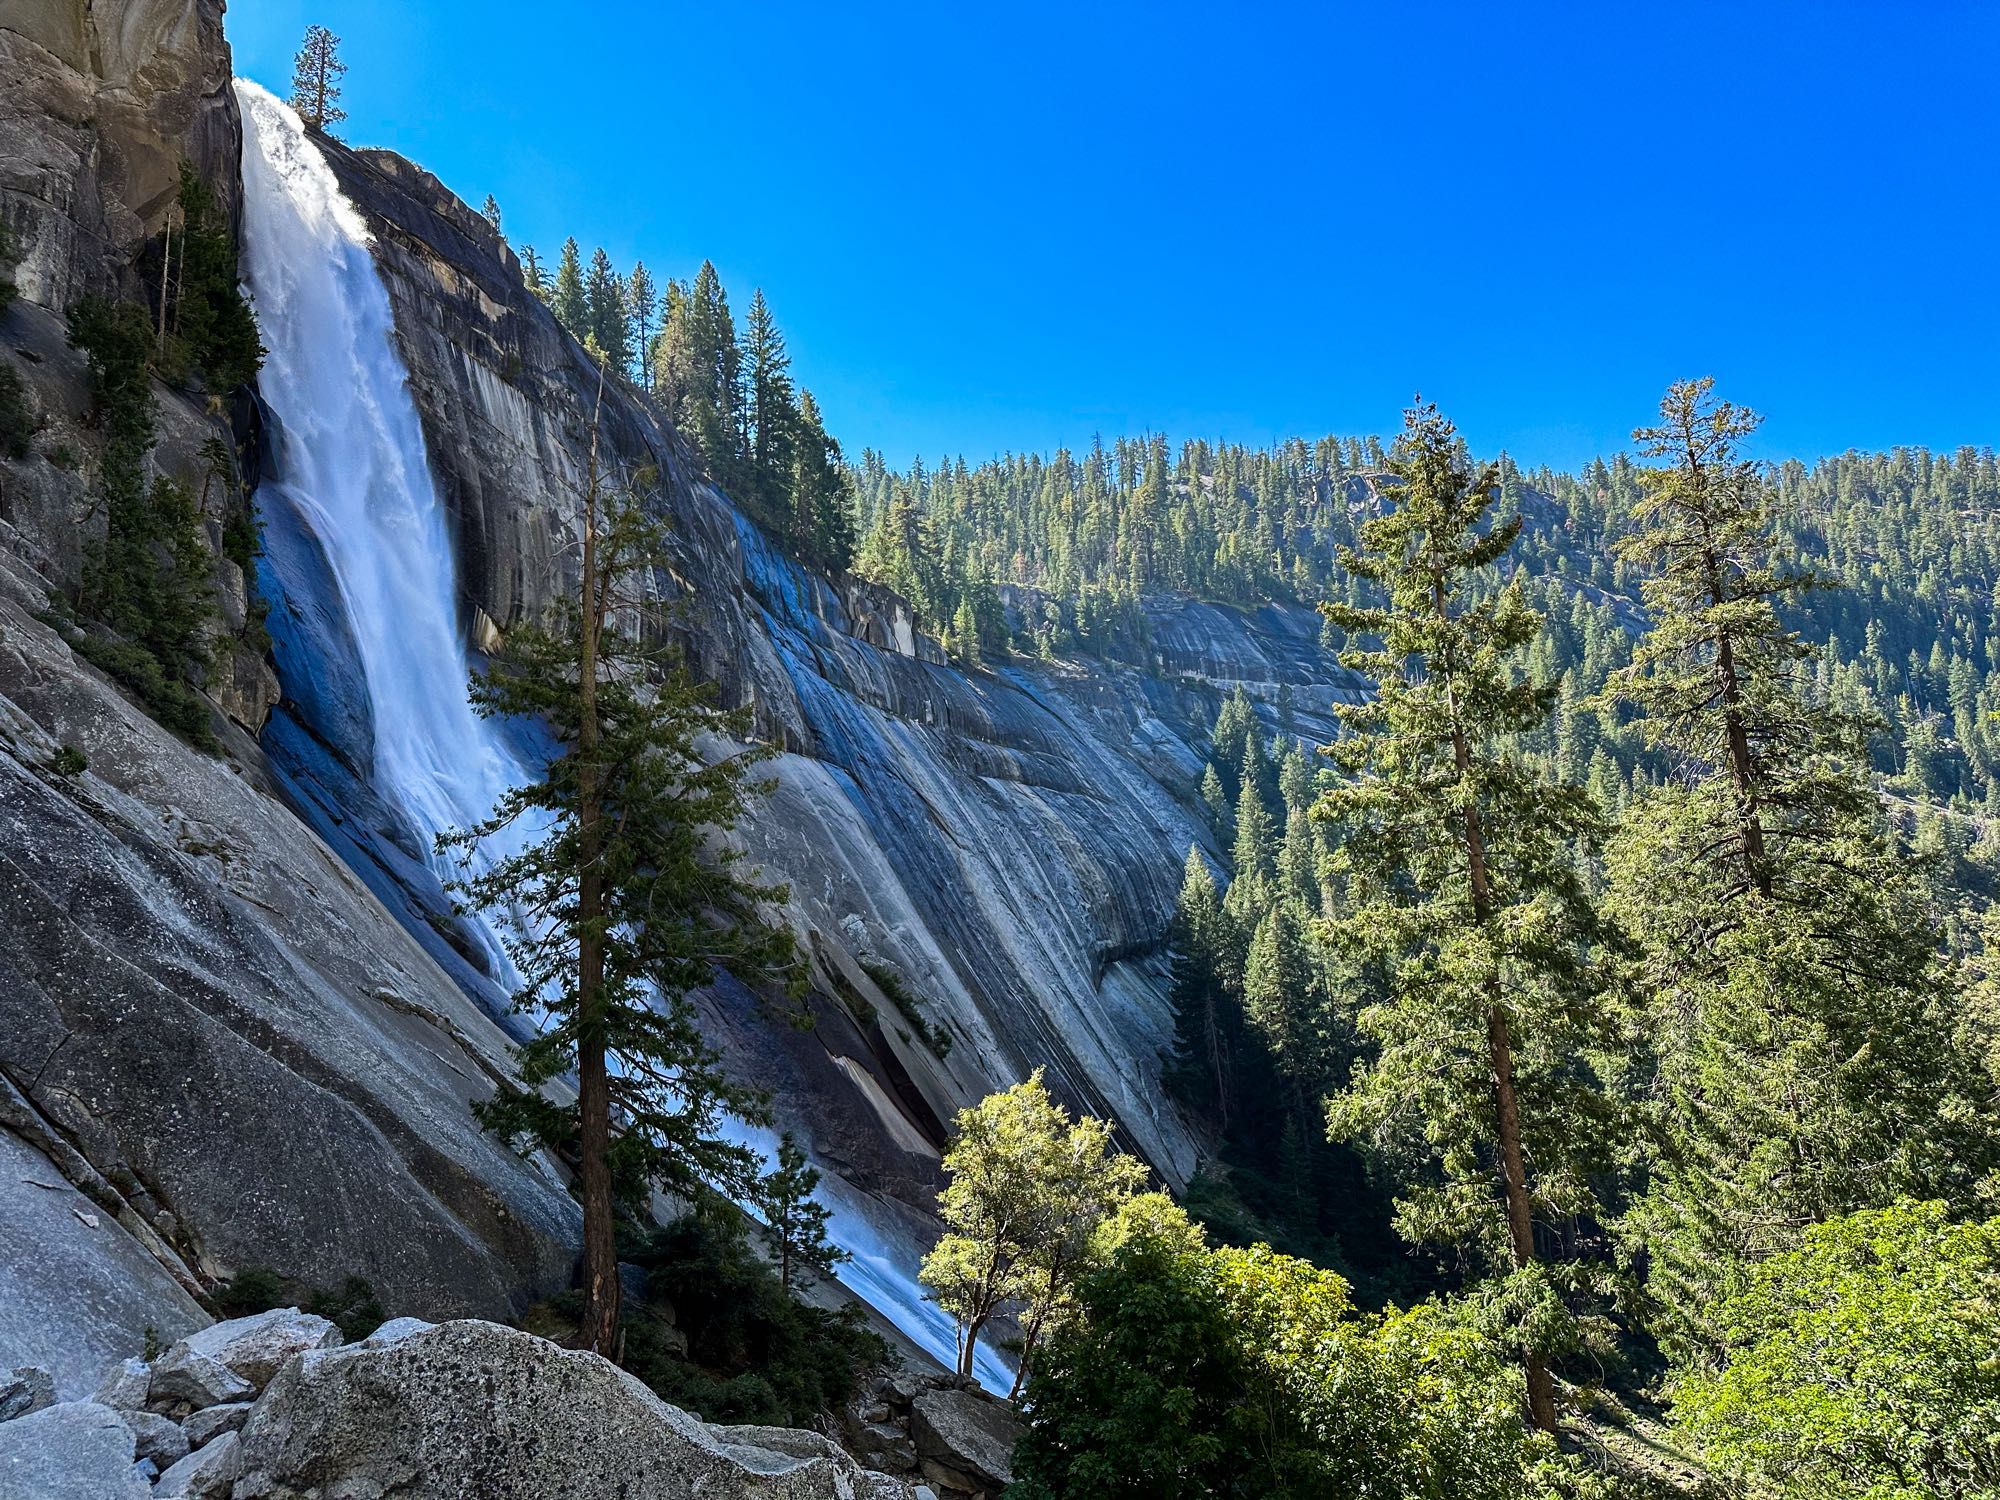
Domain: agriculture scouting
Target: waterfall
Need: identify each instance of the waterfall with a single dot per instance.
(351, 473)
(358, 548)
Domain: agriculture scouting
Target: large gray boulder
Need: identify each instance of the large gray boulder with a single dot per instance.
(965, 1439)
(208, 1473)
(256, 1347)
(125, 1385)
(156, 1438)
(474, 1408)
(77, 1451)
(186, 1381)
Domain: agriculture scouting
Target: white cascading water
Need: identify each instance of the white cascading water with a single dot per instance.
(352, 467)
(353, 471)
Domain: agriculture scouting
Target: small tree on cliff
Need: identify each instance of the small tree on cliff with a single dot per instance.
(794, 1219)
(316, 74)
(624, 899)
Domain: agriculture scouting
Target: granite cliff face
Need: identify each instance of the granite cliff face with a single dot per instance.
(213, 1009)
(217, 1049)
(1007, 843)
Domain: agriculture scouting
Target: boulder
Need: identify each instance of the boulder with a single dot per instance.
(157, 1438)
(965, 1438)
(125, 1385)
(208, 1473)
(184, 1379)
(205, 1426)
(29, 1388)
(474, 1408)
(395, 1328)
(255, 1347)
(76, 1451)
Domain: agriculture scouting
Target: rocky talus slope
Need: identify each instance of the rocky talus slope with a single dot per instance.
(273, 1407)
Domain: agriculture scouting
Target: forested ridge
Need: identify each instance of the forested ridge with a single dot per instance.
(1911, 537)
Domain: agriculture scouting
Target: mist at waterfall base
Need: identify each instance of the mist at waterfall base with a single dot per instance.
(377, 742)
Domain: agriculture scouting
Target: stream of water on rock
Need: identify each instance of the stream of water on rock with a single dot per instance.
(351, 482)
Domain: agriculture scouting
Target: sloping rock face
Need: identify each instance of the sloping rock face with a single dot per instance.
(1002, 847)
(102, 103)
(243, 1053)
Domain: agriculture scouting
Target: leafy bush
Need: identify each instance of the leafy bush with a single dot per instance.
(1865, 1363)
(168, 699)
(1244, 1373)
(754, 1354)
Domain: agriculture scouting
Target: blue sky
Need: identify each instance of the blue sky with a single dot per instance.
(991, 228)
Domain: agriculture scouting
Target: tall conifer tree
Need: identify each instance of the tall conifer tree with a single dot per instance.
(1802, 1021)
(316, 74)
(1462, 890)
(568, 300)
(629, 898)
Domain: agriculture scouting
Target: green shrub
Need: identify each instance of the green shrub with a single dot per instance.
(1191, 1372)
(169, 700)
(68, 761)
(891, 984)
(17, 421)
(1867, 1362)
(754, 1353)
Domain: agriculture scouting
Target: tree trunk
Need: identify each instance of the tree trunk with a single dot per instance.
(1740, 768)
(599, 1328)
(967, 1349)
(1500, 1051)
(1520, 1211)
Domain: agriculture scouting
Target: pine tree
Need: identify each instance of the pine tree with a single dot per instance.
(1216, 800)
(605, 311)
(822, 493)
(1207, 1023)
(316, 74)
(641, 307)
(490, 211)
(1253, 861)
(1284, 1001)
(633, 900)
(568, 300)
(697, 370)
(534, 275)
(796, 1222)
(1802, 1023)
(771, 414)
(1462, 890)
